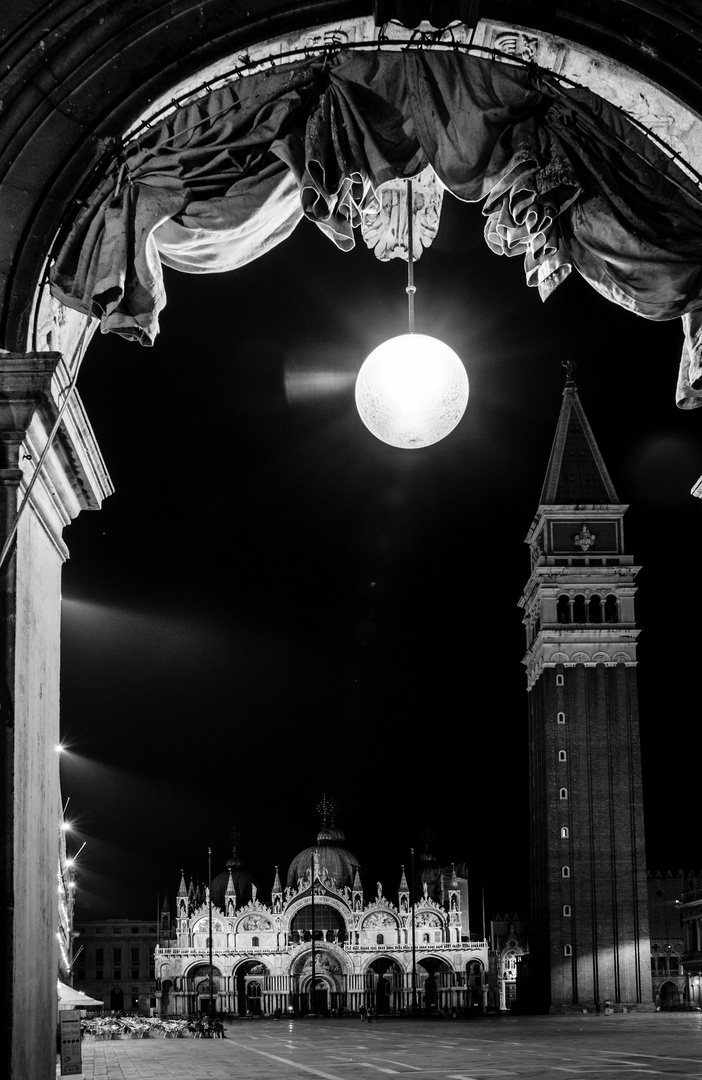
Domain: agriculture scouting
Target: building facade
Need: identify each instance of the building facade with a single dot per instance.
(589, 922)
(321, 944)
(675, 907)
(114, 963)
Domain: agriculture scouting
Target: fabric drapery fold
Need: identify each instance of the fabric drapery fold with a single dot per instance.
(566, 181)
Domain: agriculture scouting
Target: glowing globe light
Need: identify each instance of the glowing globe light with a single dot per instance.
(411, 391)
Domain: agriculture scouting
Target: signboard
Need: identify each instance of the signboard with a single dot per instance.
(69, 1042)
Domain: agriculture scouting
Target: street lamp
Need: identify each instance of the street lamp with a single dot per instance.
(414, 946)
(210, 1008)
(412, 390)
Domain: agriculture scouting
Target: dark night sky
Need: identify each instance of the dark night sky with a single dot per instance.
(274, 605)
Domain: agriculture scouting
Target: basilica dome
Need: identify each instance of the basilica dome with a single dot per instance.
(327, 855)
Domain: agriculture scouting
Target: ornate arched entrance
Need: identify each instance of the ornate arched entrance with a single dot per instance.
(202, 990)
(437, 982)
(318, 984)
(250, 983)
(384, 983)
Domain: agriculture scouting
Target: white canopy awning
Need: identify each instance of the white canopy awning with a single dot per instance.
(68, 998)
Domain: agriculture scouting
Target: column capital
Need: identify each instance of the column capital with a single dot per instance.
(25, 383)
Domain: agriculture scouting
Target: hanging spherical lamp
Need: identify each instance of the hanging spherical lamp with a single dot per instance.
(412, 390)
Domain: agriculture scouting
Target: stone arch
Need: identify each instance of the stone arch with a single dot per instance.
(249, 977)
(383, 978)
(332, 967)
(250, 921)
(334, 953)
(74, 79)
(326, 903)
(195, 986)
(371, 922)
(78, 121)
(439, 978)
(201, 931)
(669, 994)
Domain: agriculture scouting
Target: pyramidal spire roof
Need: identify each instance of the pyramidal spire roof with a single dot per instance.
(576, 474)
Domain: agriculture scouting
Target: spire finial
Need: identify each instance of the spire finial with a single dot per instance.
(328, 809)
(571, 368)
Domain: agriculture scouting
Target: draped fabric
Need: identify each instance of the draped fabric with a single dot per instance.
(565, 179)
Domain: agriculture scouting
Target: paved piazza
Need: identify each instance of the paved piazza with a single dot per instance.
(591, 1047)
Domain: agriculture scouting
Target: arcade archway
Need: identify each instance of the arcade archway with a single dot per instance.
(72, 84)
(250, 984)
(385, 984)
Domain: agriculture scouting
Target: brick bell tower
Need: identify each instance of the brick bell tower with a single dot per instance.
(589, 936)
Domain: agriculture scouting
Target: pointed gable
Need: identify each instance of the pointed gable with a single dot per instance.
(576, 474)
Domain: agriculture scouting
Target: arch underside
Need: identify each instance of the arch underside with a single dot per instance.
(66, 114)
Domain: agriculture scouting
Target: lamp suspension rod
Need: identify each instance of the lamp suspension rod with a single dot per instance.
(411, 288)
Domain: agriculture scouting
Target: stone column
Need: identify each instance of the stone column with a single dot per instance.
(72, 478)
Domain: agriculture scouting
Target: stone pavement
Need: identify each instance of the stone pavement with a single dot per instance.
(589, 1047)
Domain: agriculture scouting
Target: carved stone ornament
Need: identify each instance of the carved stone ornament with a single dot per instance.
(517, 43)
(426, 918)
(385, 224)
(585, 539)
(378, 918)
(255, 922)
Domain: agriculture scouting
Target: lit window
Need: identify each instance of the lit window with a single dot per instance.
(567, 950)
(559, 680)
(565, 871)
(563, 794)
(561, 755)
(561, 718)
(566, 911)
(564, 832)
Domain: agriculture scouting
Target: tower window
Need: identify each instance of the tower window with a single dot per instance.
(563, 793)
(559, 680)
(566, 911)
(560, 718)
(579, 609)
(563, 609)
(561, 755)
(565, 871)
(567, 950)
(564, 832)
(611, 609)
(595, 607)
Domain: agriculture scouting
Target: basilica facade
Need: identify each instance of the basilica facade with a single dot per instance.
(321, 945)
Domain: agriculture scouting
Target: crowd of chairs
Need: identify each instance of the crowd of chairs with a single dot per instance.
(101, 1028)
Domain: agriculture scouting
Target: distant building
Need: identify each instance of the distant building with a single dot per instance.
(675, 911)
(691, 916)
(667, 947)
(509, 944)
(114, 962)
(321, 944)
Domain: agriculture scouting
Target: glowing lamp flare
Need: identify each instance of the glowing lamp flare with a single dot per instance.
(411, 391)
